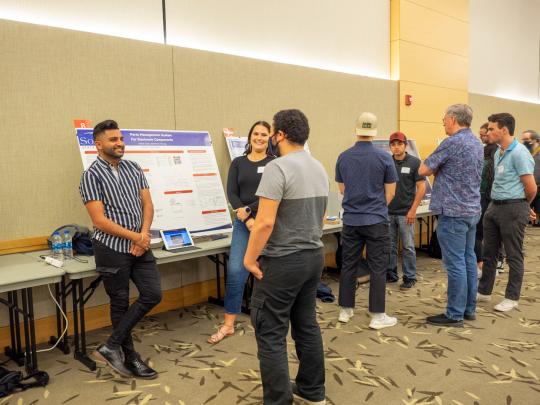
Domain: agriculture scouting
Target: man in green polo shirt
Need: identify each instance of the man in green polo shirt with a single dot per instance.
(509, 212)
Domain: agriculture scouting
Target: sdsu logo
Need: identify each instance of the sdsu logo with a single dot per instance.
(86, 141)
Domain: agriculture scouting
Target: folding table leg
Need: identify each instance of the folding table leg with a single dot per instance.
(79, 335)
(28, 351)
(60, 295)
(14, 352)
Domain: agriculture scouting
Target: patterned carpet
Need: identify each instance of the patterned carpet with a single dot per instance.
(493, 360)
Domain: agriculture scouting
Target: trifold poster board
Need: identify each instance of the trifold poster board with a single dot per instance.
(411, 149)
(237, 144)
(182, 173)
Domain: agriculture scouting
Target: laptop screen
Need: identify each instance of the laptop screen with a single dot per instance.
(176, 238)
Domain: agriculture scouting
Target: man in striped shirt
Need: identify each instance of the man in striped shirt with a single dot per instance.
(116, 195)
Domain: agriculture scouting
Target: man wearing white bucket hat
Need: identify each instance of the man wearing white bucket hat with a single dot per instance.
(366, 177)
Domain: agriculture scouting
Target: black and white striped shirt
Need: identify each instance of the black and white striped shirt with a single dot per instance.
(120, 194)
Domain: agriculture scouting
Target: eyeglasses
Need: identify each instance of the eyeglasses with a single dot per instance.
(446, 116)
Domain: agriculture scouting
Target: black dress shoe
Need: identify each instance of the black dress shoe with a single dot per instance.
(140, 369)
(407, 284)
(391, 275)
(114, 358)
(470, 317)
(443, 320)
(304, 400)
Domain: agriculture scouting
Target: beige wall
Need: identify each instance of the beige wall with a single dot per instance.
(48, 78)
(214, 91)
(51, 76)
(527, 115)
(429, 45)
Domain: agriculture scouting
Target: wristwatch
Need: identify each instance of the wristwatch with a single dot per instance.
(248, 210)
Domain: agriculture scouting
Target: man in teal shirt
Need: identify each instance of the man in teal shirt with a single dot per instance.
(509, 212)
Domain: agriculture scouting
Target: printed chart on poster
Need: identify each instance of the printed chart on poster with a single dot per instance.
(182, 173)
(411, 149)
(237, 144)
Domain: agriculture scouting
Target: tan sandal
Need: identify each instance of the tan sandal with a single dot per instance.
(219, 336)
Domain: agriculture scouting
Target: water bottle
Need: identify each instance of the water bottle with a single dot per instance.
(67, 246)
(57, 246)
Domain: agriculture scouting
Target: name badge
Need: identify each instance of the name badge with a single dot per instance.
(405, 170)
(260, 169)
(500, 169)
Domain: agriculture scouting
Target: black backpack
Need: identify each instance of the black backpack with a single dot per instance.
(12, 381)
(81, 238)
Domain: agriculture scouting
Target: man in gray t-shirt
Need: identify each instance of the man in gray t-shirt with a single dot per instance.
(287, 235)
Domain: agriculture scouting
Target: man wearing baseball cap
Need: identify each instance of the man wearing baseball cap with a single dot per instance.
(402, 210)
(366, 177)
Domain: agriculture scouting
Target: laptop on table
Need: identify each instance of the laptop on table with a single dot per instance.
(177, 240)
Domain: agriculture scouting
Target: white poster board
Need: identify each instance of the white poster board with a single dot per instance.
(182, 173)
(413, 151)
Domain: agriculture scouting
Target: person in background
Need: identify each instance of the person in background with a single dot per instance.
(116, 194)
(285, 254)
(244, 177)
(457, 165)
(410, 190)
(535, 151)
(525, 137)
(509, 212)
(485, 192)
(366, 177)
(482, 133)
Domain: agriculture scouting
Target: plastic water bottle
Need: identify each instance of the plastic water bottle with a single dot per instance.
(57, 246)
(67, 246)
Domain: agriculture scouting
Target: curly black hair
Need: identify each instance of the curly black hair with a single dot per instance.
(294, 124)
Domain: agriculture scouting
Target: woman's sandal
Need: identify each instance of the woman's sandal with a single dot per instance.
(219, 336)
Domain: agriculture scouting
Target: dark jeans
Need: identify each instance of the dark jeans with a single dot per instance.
(117, 269)
(377, 240)
(479, 239)
(506, 224)
(287, 293)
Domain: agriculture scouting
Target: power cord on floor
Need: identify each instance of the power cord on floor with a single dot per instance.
(66, 319)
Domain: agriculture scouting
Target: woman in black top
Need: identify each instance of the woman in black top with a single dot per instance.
(244, 177)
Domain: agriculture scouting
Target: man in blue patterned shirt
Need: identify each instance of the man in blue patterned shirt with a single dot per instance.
(457, 166)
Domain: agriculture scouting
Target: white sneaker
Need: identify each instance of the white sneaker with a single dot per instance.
(380, 321)
(500, 265)
(505, 305)
(482, 297)
(345, 314)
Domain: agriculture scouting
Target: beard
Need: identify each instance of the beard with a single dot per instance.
(114, 153)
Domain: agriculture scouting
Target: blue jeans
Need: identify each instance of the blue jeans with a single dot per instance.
(457, 236)
(399, 227)
(236, 272)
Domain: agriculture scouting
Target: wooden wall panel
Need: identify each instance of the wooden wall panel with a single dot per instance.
(428, 103)
(458, 9)
(424, 26)
(425, 65)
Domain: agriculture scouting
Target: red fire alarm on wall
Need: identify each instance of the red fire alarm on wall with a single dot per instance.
(408, 99)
